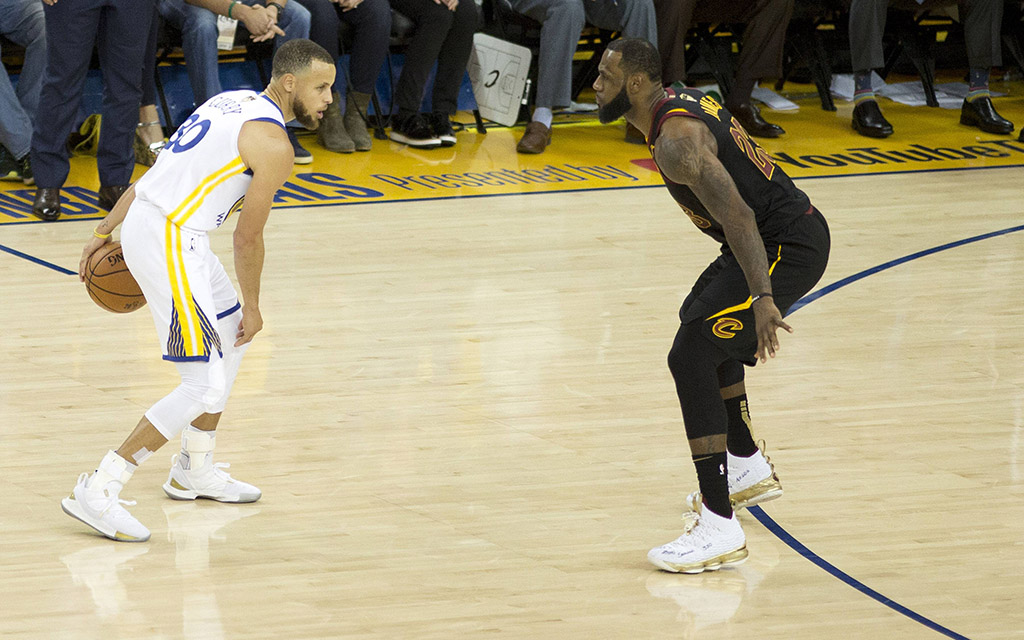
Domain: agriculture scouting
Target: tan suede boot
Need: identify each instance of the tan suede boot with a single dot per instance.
(355, 109)
(331, 133)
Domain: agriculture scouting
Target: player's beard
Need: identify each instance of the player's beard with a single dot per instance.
(615, 109)
(305, 118)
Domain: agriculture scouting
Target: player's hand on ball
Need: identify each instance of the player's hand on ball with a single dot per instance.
(768, 320)
(90, 248)
(250, 325)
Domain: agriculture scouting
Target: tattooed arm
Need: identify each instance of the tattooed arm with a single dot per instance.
(688, 154)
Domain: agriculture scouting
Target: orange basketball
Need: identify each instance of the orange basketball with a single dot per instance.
(109, 282)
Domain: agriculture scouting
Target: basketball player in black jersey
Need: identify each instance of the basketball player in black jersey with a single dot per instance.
(775, 247)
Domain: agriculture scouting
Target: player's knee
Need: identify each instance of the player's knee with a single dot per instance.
(687, 353)
(205, 385)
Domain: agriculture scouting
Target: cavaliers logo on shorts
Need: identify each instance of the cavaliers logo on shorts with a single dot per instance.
(726, 328)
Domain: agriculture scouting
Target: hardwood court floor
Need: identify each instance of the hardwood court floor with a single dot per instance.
(462, 422)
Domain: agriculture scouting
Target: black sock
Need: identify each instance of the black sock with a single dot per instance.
(740, 439)
(714, 482)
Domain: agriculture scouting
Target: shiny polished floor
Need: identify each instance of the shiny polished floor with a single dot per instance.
(462, 422)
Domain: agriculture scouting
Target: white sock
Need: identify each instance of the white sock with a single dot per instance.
(544, 116)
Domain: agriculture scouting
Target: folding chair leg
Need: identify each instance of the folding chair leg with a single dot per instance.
(925, 65)
(479, 122)
(378, 116)
(168, 125)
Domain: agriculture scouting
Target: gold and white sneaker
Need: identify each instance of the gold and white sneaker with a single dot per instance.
(708, 543)
(194, 474)
(96, 501)
(752, 480)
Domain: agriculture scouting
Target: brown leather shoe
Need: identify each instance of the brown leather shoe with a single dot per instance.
(47, 203)
(750, 117)
(536, 138)
(109, 195)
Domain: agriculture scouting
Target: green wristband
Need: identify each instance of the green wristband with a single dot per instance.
(231, 7)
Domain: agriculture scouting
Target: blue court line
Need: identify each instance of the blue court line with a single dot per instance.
(48, 265)
(784, 535)
(469, 196)
(814, 295)
(799, 547)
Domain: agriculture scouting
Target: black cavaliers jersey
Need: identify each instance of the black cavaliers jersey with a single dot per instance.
(764, 186)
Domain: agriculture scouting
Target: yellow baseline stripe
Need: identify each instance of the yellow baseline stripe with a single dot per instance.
(746, 305)
(203, 188)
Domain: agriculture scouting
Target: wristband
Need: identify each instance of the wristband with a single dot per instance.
(232, 6)
(99, 235)
(754, 299)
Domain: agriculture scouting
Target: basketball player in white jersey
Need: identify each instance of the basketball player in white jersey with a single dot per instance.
(231, 155)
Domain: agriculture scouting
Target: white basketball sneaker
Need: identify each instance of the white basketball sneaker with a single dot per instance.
(752, 480)
(96, 502)
(195, 475)
(708, 542)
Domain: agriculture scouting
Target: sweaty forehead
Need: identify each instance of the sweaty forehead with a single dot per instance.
(610, 62)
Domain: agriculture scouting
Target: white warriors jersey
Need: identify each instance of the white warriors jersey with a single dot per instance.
(199, 178)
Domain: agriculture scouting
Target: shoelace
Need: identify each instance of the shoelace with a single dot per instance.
(692, 517)
(764, 452)
(223, 475)
(112, 501)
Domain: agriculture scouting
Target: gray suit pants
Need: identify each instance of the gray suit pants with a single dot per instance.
(562, 22)
(982, 20)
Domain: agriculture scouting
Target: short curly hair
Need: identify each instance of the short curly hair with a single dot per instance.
(296, 56)
(638, 55)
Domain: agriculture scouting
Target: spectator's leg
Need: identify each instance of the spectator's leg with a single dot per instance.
(121, 50)
(635, 18)
(371, 21)
(982, 23)
(149, 134)
(561, 24)
(15, 121)
(71, 29)
(867, 23)
(25, 24)
(763, 42)
(674, 20)
(454, 57)
(433, 21)
(15, 125)
(323, 24)
(199, 43)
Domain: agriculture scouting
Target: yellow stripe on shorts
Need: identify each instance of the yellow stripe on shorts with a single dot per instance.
(181, 297)
(746, 305)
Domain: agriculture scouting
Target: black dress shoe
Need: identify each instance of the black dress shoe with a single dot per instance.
(980, 113)
(47, 204)
(110, 195)
(750, 117)
(869, 121)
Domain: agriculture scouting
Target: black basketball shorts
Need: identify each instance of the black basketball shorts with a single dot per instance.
(720, 299)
